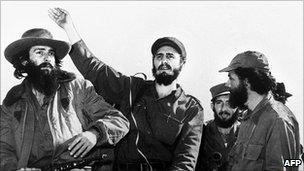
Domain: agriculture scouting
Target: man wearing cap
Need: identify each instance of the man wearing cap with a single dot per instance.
(269, 132)
(52, 116)
(280, 93)
(166, 124)
(219, 134)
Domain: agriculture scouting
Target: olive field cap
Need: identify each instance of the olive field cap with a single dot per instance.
(34, 37)
(248, 59)
(220, 89)
(169, 41)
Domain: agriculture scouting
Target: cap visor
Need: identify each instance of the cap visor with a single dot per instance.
(288, 94)
(223, 93)
(227, 69)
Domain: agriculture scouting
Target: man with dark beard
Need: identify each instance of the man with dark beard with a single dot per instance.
(269, 132)
(52, 116)
(166, 124)
(219, 135)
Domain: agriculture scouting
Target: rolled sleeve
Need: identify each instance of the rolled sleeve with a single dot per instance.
(111, 124)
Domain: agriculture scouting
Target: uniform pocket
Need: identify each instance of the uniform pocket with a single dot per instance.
(253, 152)
(167, 128)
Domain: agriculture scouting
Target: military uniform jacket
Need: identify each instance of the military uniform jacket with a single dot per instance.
(267, 135)
(212, 142)
(169, 128)
(74, 108)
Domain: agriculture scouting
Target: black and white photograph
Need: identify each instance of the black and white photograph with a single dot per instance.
(151, 85)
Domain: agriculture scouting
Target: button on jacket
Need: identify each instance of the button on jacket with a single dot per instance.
(30, 133)
(169, 128)
(267, 135)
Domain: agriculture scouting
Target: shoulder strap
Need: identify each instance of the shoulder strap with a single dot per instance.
(27, 138)
(135, 123)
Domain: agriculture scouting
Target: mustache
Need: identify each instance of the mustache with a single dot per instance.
(45, 64)
(164, 65)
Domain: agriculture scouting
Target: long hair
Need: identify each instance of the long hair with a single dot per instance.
(261, 82)
(24, 57)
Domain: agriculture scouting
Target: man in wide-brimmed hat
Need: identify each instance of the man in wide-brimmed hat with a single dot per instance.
(52, 116)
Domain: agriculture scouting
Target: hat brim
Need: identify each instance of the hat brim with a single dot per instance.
(288, 94)
(221, 94)
(227, 69)
(14, 49)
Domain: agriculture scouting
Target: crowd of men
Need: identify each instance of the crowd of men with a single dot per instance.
(54, 120)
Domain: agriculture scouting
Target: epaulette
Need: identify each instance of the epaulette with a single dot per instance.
(195, 99)
(141, 73)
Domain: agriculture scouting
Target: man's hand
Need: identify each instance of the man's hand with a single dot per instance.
(61, 17)
(83, 143)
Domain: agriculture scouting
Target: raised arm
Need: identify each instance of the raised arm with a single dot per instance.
(109, 83)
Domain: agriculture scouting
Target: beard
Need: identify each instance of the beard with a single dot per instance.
(164, 78)
(238, 96)
(42, 80)
(225, 123)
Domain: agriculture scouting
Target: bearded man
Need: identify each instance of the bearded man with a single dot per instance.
(166, 123)
(219, 134)
(52, 116)
(269, 132)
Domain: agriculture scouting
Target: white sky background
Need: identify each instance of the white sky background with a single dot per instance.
(121, 34)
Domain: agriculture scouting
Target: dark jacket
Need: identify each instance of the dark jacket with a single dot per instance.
(267, 135)
(169, 128)
(74, 108)
(212, 145)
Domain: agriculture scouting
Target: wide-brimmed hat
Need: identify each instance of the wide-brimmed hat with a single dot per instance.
(33, 37)
(248, 59)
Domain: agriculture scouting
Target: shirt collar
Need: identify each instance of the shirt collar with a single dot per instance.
(174, 95)
(255, 114)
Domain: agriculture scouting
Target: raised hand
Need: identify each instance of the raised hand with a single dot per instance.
(83, 143)
(61, 17)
